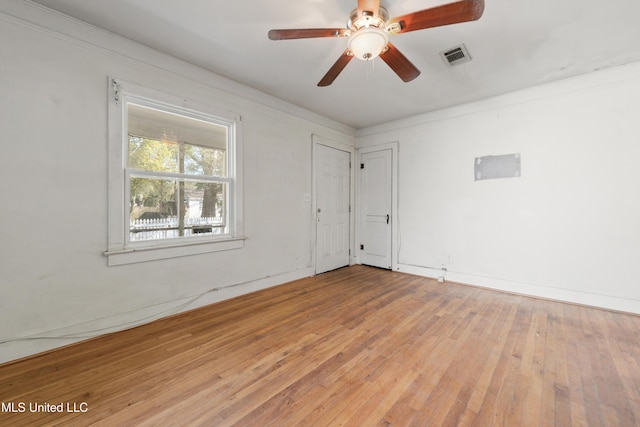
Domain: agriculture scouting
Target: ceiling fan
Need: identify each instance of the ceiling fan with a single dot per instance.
(369, 27)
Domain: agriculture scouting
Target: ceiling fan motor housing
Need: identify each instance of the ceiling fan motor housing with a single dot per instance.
(367, 19)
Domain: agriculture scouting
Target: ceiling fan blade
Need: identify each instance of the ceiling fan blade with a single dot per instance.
(399, 63)
(336, 68)
(308, 33)
(452, 13)
(369, 6)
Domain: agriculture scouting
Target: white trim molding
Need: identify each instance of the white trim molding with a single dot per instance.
(535, 290)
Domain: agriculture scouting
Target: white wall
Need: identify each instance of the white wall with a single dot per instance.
(54, 278)
(568, 229)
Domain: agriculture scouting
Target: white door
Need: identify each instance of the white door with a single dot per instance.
(376, 208)
(332, 205)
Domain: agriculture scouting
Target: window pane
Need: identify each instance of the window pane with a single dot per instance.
(152, 155)
(159, 125)
(204, 161)
(200, 209)
(207, 205)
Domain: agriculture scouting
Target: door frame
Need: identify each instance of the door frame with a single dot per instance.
(317, 140)
(394, 147)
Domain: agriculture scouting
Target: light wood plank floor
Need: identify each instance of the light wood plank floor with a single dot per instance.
(358, 346)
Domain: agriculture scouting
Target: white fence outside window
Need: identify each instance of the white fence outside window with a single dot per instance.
(169, 227)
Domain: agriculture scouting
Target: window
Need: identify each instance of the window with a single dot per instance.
(176, 175)
(174, 184)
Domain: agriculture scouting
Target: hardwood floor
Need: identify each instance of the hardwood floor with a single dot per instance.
(357, 346)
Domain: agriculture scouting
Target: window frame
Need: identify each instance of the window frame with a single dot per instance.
(120, 249)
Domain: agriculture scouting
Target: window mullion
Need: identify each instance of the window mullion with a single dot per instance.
(140, 173)
(180, 196)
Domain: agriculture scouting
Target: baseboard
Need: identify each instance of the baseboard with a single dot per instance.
(608, 302)
(21, 347)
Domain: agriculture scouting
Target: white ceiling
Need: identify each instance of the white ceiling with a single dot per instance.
(516, 44)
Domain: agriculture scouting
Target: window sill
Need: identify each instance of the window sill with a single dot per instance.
(152, 253)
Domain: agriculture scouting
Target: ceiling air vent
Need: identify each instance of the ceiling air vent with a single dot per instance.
(456, 55)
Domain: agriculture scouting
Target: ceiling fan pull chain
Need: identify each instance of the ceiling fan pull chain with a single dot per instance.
(371, 68)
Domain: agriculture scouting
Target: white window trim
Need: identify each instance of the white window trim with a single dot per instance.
(121, 252)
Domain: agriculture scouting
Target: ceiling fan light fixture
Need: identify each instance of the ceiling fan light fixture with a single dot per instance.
(367, 43)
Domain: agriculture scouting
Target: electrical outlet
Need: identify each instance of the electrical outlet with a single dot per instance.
(441, 277)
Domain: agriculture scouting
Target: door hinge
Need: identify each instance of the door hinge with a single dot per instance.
(362, 247)
(361, 165)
